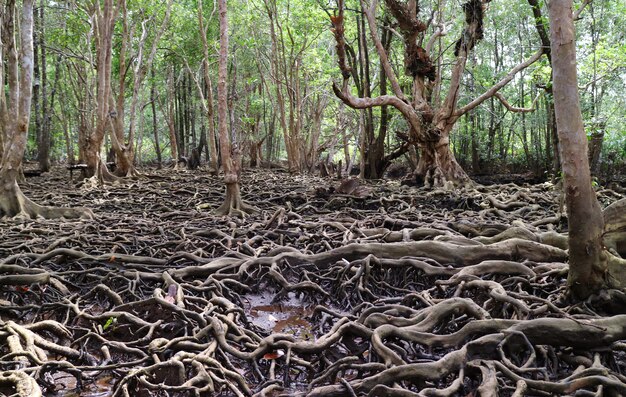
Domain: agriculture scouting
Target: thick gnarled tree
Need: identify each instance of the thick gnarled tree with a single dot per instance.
(430, 119)
(15, 110)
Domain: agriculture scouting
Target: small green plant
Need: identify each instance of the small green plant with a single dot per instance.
(110, 322)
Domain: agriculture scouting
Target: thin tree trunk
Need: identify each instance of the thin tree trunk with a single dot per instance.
(208, 102)
(124, 148)
(37, 78)
(103, 21)
(20, 91)
(170, 116)
(231, 159)
(46, 106)
(155, 132)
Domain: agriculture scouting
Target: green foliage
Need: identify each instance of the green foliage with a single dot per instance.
(111, 321)
(303, 26)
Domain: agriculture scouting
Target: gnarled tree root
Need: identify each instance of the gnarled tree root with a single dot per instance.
(550, 331)
(233, 204)
(13, 203)
(24, 385)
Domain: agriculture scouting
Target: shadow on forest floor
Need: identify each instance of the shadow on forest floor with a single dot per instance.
(404, 292)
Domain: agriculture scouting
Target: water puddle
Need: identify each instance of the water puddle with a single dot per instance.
(66, 386)
(289, 316)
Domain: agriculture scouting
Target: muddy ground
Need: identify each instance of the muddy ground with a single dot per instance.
(403, 292)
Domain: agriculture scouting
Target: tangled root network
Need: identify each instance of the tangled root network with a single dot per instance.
(405, 292)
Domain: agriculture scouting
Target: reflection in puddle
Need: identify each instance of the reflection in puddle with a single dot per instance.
(288, 316)
(66, 386)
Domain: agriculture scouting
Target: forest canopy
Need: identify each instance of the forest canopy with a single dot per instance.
(282, 63)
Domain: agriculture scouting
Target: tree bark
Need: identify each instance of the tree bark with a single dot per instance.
(125, 147)
(286, 63)
(589, 269)
(170, 116)
(46, 106)
(212, 157)
(542, 30)
(20, 90)
(430, 123)
(157, 145)
(102, 19)
(231, 157)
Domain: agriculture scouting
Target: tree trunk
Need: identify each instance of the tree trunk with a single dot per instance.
(211, 143)
(375, 161)
(208, 101)
(285, 72)
(231, 159)
(103, 22)
(595, 145)
(312, 155)
(20, 91)
(125, 146)
(45, 141)
(429, 122)
(590, 265)
(170, 116)
(157, 145)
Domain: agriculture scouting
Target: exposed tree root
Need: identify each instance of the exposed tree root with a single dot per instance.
(13, 203)
(24, 385)
(396, 294)
(233, 204)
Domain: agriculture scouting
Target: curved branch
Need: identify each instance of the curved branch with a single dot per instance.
(581, 9)
(440, 32)
(382, 54)
(493, 90)
(515, 109)
(365, 103)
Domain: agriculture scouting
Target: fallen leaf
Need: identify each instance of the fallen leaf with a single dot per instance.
(274, 355)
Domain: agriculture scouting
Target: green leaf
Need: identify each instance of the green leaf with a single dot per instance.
(111, 321)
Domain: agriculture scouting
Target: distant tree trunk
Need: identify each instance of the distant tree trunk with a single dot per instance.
(312, 154)
(375, 160)
(542, 30)
(598, 127)
(590, 265)
(102, 19)
(69, 144)
(157, 145)
(170, 116)
(181, 133)
(285, 72)
(125, 146)
(46, 106)
(256, 144)
(208, 101)
(211, 143)
(19, 75)
(231, 157)
(345, 141)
